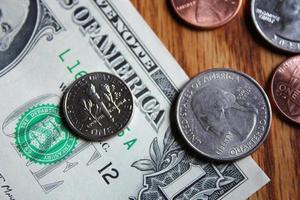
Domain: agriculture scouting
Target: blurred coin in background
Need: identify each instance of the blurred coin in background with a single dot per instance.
(278, 21)
(206, 14)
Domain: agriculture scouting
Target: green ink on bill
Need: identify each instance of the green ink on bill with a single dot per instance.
(41, 136)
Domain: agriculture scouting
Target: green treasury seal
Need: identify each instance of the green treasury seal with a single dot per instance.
(41, 136)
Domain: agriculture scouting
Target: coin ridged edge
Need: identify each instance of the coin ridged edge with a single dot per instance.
(272, 90)
(263, 35)
(264, 96)
(70, 124)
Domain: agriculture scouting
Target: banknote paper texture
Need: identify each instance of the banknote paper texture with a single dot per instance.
(44, 48)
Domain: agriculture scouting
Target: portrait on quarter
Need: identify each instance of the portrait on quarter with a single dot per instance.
(219, 113)
(289, 12)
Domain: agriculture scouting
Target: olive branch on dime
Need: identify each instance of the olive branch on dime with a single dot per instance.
(88, 107)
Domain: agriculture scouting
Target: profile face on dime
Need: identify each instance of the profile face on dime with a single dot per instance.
(279, 22)
(98, 105)
(207, 13)
(223, 114)
(286, 88)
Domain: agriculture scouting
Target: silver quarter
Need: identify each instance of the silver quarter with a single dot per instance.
(223, 114)
(98, 105)
(278, 21)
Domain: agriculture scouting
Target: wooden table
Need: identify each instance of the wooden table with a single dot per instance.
(236, 45)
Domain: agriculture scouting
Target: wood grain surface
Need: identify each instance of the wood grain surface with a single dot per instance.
(236, 45)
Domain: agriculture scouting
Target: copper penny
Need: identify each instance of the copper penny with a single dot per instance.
(207, 13)
(286, 88)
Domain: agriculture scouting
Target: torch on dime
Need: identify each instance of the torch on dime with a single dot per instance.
(223, 114)
(98, 105)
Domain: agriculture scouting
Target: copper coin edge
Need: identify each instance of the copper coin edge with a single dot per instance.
(212, 26)
(272, 90)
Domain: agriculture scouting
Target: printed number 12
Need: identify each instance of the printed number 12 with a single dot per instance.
(112, 175)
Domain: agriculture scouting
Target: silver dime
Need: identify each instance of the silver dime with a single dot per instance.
(223, 114)
(98, 105)
(278, 21)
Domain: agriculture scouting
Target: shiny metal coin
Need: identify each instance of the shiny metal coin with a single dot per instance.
(98, 105)
(278, 21)
(286, 89)
(223, 114)
(206, 14)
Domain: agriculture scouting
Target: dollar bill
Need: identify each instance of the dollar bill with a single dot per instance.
(44, 46)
